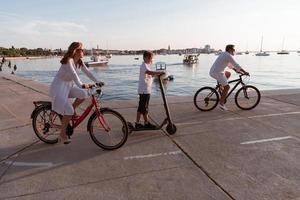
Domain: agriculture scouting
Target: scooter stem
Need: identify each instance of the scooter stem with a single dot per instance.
(162, 90)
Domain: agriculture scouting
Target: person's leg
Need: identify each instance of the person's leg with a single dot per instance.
(65, 121)
(224, 94)
(138, 117)
(146, 105)
(76, 103)
(140, 111)
(221, 88)
(79, 94)
(222, 78)
(146, 118)
(227, 74)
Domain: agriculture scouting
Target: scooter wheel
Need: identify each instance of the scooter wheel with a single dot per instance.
(171, 129)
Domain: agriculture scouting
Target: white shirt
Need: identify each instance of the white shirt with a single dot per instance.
(145, 80)
(224, 60)
(63, 82)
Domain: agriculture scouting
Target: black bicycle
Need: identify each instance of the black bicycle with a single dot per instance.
(246, 98)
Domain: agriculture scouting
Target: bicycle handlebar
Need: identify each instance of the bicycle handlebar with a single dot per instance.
(241, 73)
(90, 86)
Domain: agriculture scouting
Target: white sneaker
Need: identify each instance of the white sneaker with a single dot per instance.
(223, 107)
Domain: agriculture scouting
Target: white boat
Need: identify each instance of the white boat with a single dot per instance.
(262, 53)
(108, 56)
(283, 52)
(162, 66)
(190, 59)
(218, 52)
(97, 61)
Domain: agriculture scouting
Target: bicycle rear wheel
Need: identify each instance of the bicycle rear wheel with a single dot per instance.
(46, 124)
(117, 134)
(206, 99)
(247, 97)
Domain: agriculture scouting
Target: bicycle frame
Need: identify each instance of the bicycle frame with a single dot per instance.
(76, 121)
(239, 81)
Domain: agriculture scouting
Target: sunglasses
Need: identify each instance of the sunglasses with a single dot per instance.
(79, 50)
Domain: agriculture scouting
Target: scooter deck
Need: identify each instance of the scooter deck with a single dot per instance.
(132, 127)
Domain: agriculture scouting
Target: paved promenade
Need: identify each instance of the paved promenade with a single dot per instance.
(214, 155)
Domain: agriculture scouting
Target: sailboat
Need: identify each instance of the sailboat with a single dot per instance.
(97, 60)
(282, 52)
(262, 53)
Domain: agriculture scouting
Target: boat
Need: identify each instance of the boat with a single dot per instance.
(162, 66)
(190, 59)
(218, 52)
(283, 52)
(238, 53)
(262, 53)
(108, 56)
(246, 52)
(97, 61)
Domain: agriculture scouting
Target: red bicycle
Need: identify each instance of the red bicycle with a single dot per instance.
(107, 128)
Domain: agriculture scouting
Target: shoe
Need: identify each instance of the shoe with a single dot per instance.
(138, 126)
(64, 141)
(150, 126)
(223, 107)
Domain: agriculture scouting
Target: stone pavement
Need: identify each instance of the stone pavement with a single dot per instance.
(214, 155)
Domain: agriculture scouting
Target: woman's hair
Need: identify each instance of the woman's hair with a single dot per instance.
(71, 52)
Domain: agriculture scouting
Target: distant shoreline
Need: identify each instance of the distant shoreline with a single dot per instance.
(29, 57)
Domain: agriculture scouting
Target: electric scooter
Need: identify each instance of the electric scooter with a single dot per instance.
(171, 127)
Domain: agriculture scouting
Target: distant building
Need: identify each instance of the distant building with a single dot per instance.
(207, 49)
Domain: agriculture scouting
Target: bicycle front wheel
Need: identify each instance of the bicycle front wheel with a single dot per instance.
(46, 124)
(114, 135)
(206, 99)
(247, 97)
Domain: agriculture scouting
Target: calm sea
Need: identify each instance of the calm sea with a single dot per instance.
(121, 75)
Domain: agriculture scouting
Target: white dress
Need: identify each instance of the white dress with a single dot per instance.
(62, 87)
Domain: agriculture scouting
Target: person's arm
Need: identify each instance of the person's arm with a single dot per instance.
(233, 64)
(88, 73)
(244, 72)
(236, 66)
(70, 69)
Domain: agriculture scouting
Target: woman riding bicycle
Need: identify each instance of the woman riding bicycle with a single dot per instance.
(224, 60)
(62, 88)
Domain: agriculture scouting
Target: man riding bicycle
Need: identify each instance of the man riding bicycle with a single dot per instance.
(218, 72)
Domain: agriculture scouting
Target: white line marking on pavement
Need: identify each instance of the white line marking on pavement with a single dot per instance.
(152, 155)
(267, 140)
(275, 114)
(30, 164)
(237, 118)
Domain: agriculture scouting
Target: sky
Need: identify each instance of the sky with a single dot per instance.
(154, 24)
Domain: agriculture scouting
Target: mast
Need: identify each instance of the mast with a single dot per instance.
(282, 48)
(262, 38)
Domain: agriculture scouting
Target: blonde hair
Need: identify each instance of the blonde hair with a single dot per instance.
(71, 52)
